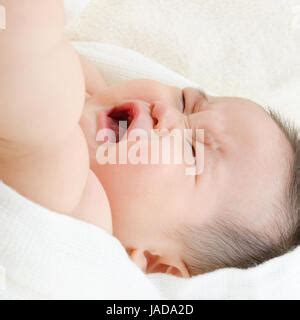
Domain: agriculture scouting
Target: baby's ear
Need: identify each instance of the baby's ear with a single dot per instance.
(138, 257)
(154, 263)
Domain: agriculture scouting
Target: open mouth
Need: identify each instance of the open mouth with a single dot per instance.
(120, 119)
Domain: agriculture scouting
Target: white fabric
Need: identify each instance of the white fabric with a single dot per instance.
(119, 64)
(276, 279)
(229, 47)
(46, 255)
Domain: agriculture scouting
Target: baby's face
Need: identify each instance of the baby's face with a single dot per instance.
(242, 148)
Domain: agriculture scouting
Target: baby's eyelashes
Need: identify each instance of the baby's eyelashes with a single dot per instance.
(195, 100)
(207, 127)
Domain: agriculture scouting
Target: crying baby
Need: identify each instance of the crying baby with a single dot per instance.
(238, 211)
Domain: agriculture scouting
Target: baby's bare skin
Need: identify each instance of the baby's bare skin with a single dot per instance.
(43, 152)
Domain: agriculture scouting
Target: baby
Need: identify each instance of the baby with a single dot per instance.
(239, 211)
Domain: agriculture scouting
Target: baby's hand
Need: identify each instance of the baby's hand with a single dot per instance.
(94, 81)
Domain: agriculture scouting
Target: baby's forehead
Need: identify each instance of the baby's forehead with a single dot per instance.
(247, 115)
(243, 120)
(256, 168)
(259, 141)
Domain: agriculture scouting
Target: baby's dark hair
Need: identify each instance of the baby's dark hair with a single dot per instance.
(230, 244)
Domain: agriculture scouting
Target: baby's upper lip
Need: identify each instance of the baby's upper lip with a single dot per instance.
(136, 113)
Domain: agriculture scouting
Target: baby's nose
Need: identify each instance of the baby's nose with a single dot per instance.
(166, 117)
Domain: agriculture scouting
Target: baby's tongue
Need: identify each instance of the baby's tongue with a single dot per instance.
(119, 128)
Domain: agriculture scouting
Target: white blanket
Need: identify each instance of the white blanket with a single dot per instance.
(229, 47)
(234, 47)
(46, 255)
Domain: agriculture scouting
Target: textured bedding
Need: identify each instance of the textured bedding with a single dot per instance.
(229, 47)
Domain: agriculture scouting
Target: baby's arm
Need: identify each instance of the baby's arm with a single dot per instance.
(39, 75)
(43, 153)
